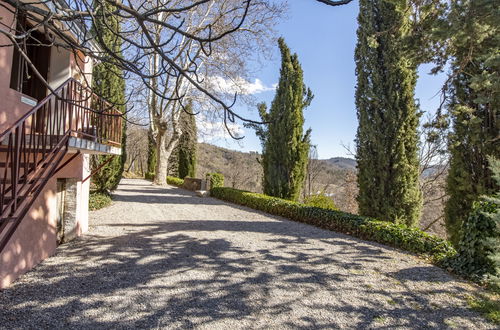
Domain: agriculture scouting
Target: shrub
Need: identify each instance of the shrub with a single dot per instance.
(474, 248)
(320, 200)
(98, 200)
(149, 176)
(175, 181)
(216, 180)
(479, 246)
(397, 235)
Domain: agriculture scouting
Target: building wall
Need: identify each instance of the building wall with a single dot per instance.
(35, 238)
(11, 107)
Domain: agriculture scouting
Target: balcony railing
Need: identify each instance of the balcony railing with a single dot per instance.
(32, 149)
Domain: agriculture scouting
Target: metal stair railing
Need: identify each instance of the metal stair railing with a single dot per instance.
(33, 147)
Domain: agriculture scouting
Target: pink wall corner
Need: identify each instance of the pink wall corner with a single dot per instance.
(35, 238)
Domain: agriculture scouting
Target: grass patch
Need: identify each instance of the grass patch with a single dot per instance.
(487, 305)
(98, 200)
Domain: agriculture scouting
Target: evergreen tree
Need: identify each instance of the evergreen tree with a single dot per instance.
(494, 237)
(285, 146)
(479, 246)
(151, 161)
(108, 82)
(387, 139)
(187, 145)
(475, 100)
(173, 163)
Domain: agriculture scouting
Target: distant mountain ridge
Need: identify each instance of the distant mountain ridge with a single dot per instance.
(342, 162)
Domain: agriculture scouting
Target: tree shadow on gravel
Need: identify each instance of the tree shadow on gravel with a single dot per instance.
(192, 273)
(158, 276)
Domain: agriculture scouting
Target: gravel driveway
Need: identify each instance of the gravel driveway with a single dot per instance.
(164, 258)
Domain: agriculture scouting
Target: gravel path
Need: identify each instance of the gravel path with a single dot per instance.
(164, 258)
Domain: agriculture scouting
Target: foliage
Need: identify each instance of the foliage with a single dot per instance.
(173, 162)
(474, 248)
(479, 247)
(387, 139)
(187, 145)
(98, 200)
(320, 200)
(108, 82)
(475, 99)
(216, 180)
(397, 235)
(285, 147)
(489, 306)
(151, 155)
(149, 175)
(175, 181)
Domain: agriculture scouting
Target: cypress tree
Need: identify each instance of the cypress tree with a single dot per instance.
(173, 163)
(109, 83)
(187, 145)
(475, 100)
(151, 161)
(285, 146)
(387, 139)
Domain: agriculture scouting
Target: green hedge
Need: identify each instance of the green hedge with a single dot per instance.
(400, 236)
(320, 200)
(175, 181)
(216, 180)
(98, 200)
(149, 176)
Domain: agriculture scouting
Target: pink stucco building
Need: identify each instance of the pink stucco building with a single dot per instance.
(47, 134)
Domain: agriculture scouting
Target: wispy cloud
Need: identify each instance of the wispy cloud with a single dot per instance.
(241, 86)
(213, 130)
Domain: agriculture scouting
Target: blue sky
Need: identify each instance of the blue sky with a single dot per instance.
(324, 39)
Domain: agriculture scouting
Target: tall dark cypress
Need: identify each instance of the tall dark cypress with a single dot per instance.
(475, 100)
(108, 82)
(187, 145)
(386, 140)
(285, 146)
(151, 160)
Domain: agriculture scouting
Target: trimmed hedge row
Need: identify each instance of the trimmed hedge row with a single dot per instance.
(175, 181)
(396, 235)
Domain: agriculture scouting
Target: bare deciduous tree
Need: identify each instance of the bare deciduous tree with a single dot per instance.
(313, 172)
(227, 61)
(172, 47)
(137, 145)
(434, 159)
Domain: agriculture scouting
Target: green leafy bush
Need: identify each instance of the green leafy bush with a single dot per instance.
(216, 180)
(98, 200)
(149, 176)
(320, 200)
(397, 235)
(479, 246)
(474, 248)
(175, 181)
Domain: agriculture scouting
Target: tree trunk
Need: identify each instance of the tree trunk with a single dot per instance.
(162, 159)
(163, 154)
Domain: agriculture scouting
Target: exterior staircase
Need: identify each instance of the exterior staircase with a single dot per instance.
(32, 150)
